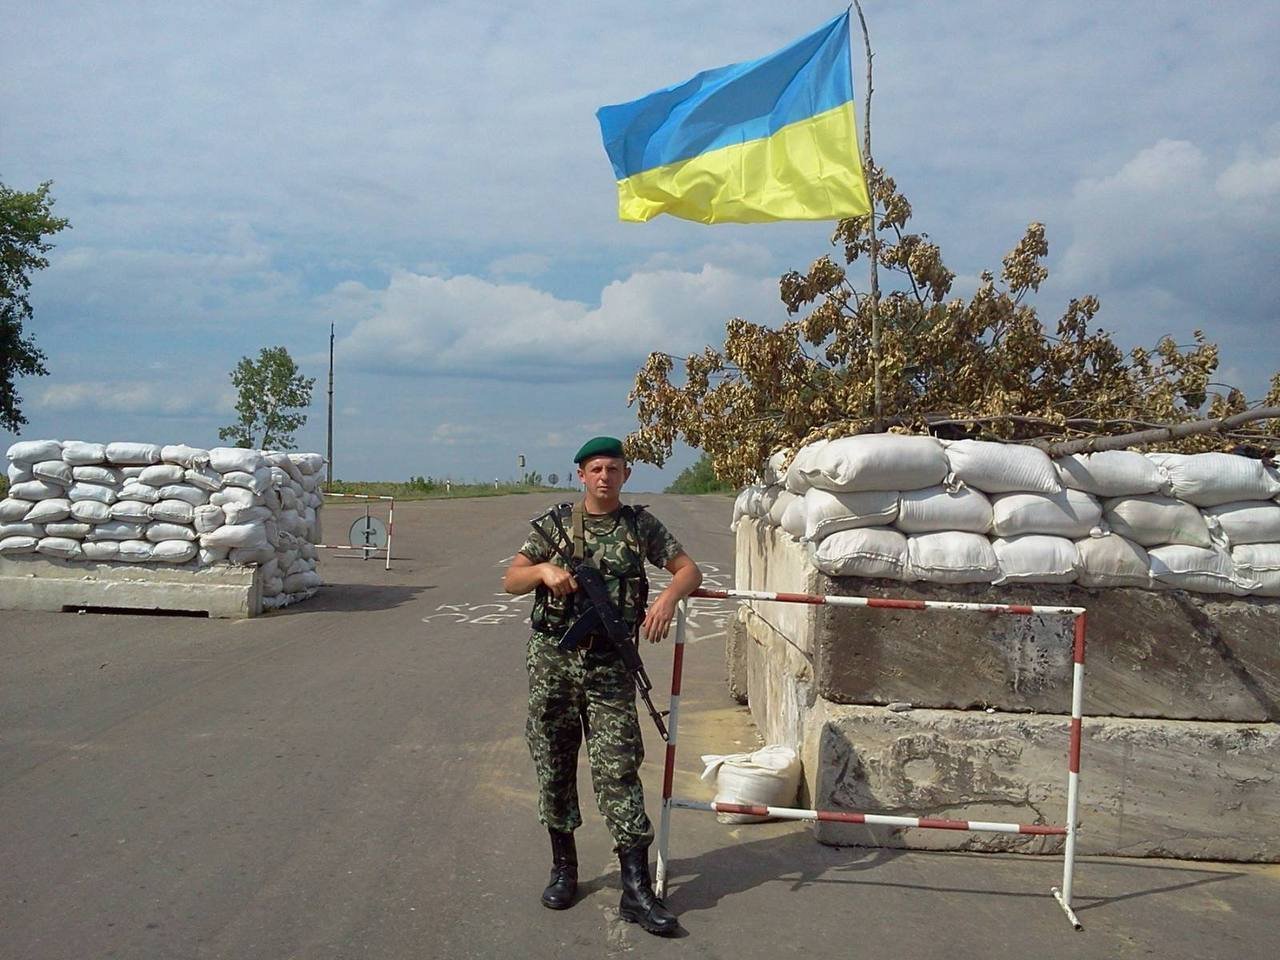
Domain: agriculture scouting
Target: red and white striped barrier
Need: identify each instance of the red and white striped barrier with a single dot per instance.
(391, 525)
(669, 802)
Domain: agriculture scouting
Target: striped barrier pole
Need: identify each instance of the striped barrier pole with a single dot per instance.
(669, 764)
(1063, 895)
(367, 551)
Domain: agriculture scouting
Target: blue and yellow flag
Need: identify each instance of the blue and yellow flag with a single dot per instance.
(771, 139)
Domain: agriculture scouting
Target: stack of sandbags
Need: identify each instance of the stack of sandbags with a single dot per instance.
(175, 504)
(969, 511)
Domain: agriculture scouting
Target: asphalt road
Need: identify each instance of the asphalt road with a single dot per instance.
(348, 778)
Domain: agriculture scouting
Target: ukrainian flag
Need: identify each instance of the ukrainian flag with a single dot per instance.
(771, 139)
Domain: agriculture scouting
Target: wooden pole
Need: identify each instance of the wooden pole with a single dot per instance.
(878, 409)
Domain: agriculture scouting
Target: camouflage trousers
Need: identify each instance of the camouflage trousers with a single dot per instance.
(575, 693)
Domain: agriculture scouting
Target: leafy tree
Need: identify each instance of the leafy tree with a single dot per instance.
(26, 219)
(982, 366)
(272, 395)
(699, 477)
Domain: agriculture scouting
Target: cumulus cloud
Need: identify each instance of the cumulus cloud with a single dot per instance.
(162, 398)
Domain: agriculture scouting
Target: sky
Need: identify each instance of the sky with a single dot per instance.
(429, 179)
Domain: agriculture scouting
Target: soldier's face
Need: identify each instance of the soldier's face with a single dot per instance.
(604, 476)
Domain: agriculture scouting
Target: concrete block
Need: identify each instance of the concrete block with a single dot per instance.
(44, 583)
(1160, 788)
(779, 683)
(735, 648)
(768, 559)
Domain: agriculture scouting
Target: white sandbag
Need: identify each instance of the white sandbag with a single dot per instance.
(951, 557)
(173, 511)
(70, 528)
(21, 529)
(63, 548)
(1002, 467)
(1245, 521)
(162, 473)
(139, 491)
(33, 451)
(12, 509)
(211, 555)
(49, 511)
(272, 586)
(131, 473)
(1112, 561)
(236, 535)
(1210, 479)
(12, 546)
(183, 455)
(308, 550)
(289, 501)
(941, 508)
(863, 552)
(273, 531)
(795, 479)
(107, 476)
(174, 551)
(270, 568)
(159, 530)
(768, 777)
(1069, 513)
(135, 551)
(739, 504)
(298, 582)
(310, 482)
(296, 564)
(1035, 559)
(1153, 520)
(774, 471)
(124, 453)
(877, 461)
(203, 477)
(239, 513)
(91, 511)
(55, 471)
(81, 454)
(19, 473)
(131, 511)
(207, 518)
(780, 503)
(1111, 473)
(251, 556)
(1198, 570)
(235, 459)
(286, 464)
(307, 462)
(115, 530)
(100, 550)
(795, 518)
(237, 495)
(258, 481)
(91, 491)
(767, 500)
(186, 492)
(36, 490)
(1259, 562)
(827, 512)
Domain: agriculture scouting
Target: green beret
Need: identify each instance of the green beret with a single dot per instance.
(599, 447)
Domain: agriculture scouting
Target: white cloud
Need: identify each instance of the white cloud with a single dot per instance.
(162, 398)
(1251, 178)
(518, 265)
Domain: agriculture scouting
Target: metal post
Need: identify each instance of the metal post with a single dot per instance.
(329, 482)
(1063, 896)
(391, 526)
(669, 767)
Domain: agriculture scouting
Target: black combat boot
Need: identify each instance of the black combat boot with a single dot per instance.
(564, 872)
(639, 905)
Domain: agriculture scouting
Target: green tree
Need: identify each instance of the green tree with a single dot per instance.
(272, 398)
(26, 219)
(699, 478)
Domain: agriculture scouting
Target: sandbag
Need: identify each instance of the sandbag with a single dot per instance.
(91, 491)
(951, 557)
(1068, 513)
(135, 551)
(1035, 559)
(158, 531)
(204, 478)
(238, 495)
(49, 511)
(35, 490)
(827, 512)
(1260, 563)
(115, 530)
(795, 518)
(207, 518)
(70, 528)
(183, 455)
(768, 777)
(251, 556)
(33, 451)
(12, 509)
(100, 550)
(81, 454)
(185, 492)
(1002, 467)
(12, 546)
(739, 504)
(307, 462)
(91, 511)
(1210, 479)
(1153, 520)
(1198, 570)
(107, 476)
(1111, 473)
(236, 535)
(54, 471)
(259, 481)
(173, 511)
(162, 473)
(174, 551)
(20, 473)
(131, 511)
(1112, 561)
(941, 508)
(22, 530)
(139, 491)
(773, 471)
(863, 552)
(272, 586)
(783, 500)
(298, 582)
(1245, 521)
(131, 473)
(211, 555)
(63, 548)
(795, 479)
(124, 453)
(877, 461)
(767, 499)
(235, 459)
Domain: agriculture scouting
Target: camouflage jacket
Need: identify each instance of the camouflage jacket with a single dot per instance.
(618, 545)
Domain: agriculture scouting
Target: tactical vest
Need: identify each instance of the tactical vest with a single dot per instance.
(553, 615)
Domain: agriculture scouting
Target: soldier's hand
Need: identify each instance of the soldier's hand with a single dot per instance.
(657, 622)
(558, 580)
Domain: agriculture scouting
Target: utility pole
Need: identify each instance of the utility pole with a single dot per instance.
(329, 482)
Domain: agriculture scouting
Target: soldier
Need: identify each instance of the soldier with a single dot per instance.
(588, 691)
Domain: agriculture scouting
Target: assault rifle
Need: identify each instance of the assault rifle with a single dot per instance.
(601, 618)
